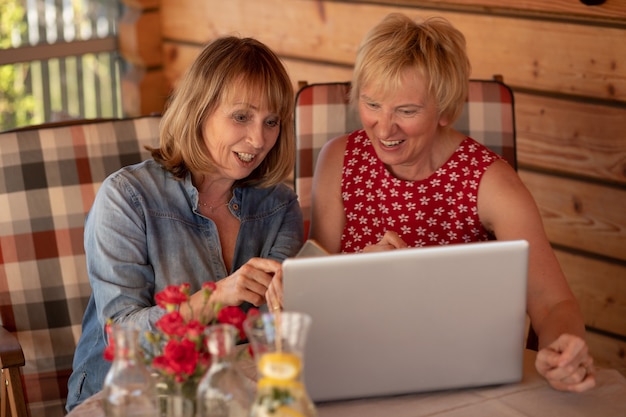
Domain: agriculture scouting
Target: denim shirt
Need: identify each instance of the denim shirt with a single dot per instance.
(145, 232)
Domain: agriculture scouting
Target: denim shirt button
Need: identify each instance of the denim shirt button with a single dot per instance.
(235, 206)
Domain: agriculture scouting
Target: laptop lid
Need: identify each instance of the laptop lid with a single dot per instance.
(411, 320)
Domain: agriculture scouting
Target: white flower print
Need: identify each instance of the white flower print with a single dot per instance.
(447, 199)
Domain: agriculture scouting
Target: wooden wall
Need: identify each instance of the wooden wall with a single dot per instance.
(566, 63)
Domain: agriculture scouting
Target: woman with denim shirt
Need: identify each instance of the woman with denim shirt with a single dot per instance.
(210, 206)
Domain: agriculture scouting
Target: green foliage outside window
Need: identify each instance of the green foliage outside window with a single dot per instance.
(16, 105)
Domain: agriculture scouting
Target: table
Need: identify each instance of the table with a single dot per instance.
(529, 398)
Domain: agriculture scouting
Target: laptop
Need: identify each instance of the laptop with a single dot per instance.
(410, 320)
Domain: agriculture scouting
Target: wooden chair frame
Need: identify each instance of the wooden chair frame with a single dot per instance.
(12, 400)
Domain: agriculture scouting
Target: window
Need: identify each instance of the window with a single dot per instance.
(58, 61)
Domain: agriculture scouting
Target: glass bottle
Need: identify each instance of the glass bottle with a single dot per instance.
(128, 389)
(224, 391)
(277, 342)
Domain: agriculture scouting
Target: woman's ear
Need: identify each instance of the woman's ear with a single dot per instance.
(444, 120)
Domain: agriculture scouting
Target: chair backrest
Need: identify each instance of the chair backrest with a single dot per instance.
(323, 112)
(48, 179)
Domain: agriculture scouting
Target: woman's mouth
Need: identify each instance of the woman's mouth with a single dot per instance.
(245, 157)
(391, 143)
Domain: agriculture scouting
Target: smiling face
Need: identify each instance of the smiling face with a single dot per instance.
(403, 124)
(239, 134)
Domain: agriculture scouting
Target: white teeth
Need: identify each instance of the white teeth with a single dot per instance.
(391, 142)
(245, 157)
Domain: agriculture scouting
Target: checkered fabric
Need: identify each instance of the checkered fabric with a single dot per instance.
(323, 112)
(48, 179)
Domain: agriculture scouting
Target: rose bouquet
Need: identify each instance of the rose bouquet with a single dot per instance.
(178, 351)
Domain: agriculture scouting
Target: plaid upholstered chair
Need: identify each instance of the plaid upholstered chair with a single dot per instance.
(49, 178)
(323, 112)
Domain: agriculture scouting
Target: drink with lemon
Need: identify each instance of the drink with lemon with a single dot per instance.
(278, 343)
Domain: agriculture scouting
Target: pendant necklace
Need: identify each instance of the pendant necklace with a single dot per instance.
(212, 206)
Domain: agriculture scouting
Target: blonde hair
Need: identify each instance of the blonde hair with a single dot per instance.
(433, 48)
(225, 65)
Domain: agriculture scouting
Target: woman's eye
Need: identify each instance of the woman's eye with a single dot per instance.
(373, 106)
(407, 113)
(272, 122)
(241, 117)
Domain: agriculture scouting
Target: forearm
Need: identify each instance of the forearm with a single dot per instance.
(563, 318)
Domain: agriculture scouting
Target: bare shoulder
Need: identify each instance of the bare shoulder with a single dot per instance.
(503, 196)
(336, 145)
(332, 153)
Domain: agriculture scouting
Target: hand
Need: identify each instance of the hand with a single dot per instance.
(566, 364)
(274, 294)
(249, 283)
(391, 240)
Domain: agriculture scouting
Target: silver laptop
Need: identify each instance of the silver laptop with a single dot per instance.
(411, 320)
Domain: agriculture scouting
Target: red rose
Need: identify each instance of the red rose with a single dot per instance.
(172, 296)
(179, 359)
(109, 350)
(194, 330)
(172, 324)
(235, 316)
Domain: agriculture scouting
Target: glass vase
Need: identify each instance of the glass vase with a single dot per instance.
(175, 399)
(128, 389)
(278, 342)
(224, 391)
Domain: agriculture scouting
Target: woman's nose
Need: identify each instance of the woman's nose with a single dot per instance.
(255, 136)
(384, 125)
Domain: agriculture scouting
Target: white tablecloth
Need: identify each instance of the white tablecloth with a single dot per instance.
(530, 398)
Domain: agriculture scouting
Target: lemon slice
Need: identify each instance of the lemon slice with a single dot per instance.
(294, 386)
(282, 411)
(285, 411)
(281, 366)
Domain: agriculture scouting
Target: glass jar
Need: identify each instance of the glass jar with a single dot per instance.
(223, 391)
(277, 342)
(175, 399)
(128, 389)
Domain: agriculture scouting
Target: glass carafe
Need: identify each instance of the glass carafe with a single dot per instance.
(224, 391)
(128, 389)
(278, 342)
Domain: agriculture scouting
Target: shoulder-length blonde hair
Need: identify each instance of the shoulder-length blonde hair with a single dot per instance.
(224, 65)
(433, 48)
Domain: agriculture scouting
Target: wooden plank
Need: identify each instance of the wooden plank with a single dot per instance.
(600, 288)
(538, 54)
(581, 215)
(178, 57)
(143, 91)
(140, 37)
(611, 10)
(607, 352)
(571, 137)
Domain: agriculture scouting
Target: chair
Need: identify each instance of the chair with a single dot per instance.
(322, 112)
(49, 177)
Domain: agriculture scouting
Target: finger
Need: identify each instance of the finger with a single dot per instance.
(277, 285)
(250, 274)
(587, 381)
(572, 349)
(269, 266)
(392, 238)
(274, 295)
(547, 359)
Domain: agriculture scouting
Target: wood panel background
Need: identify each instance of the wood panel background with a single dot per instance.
(566, 63)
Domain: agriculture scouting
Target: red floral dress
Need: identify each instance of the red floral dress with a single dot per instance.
(439, 210)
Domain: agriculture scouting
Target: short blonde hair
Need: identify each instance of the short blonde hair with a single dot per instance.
(226, 65)
(433, 48)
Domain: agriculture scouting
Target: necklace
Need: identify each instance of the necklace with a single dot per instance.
(212, 205)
